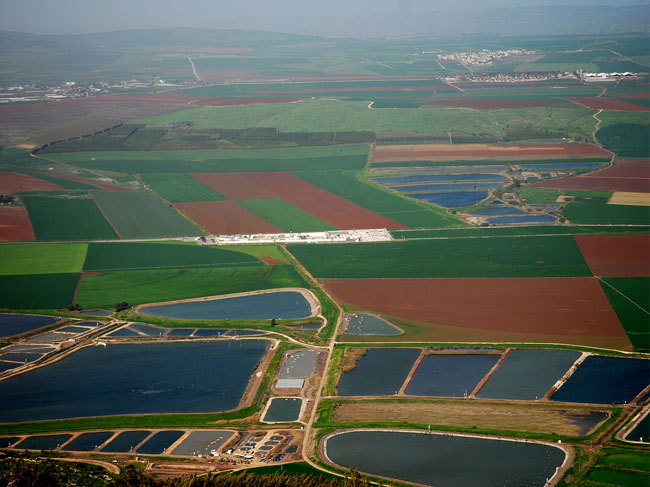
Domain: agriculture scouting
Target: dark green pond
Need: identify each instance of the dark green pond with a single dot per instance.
(444, 461)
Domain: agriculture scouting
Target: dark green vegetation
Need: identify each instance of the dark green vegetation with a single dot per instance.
(512, 231)
(402, 210)
(549, 196)
(600, 213)
(554, 256)
(630, 299)
(42, 259)
(286, 216)
(626, 139)
(130, 256)
(293, 159)
(37, 291)
(179, 187)
(67, 219)
(143, 215)
(24, 469)
(620, 468)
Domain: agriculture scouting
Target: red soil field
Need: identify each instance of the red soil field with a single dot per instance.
(225, 218)
(490, 104)
(218, 102)
(574, 310)
(12, 182)
(322, 204)
(636, 96)
(234, 186)
(485, 150)
(631, 176)
(616, 255)
(357, 89)
(90, 182)
(610, 104)
(15, 224)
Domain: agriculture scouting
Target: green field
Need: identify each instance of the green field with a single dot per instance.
(37, 291)
(511, 231)
(140, 287)
(136, 214)
(548, 196)
(554, 256)
(626, 139)
(42, 258)
(179, 188)
(131, 256)
(634, 316)
(597, 213)
(397, 208)
(618, 478)
(67, 219)
(327, 116)
(283, 159)
(280, 276)
(635, 460)
(286, 216)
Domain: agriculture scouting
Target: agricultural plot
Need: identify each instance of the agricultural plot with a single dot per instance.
(130, 256)
(67, 219)
(142, 215)
(401, 210)
(37, 291)
(226, 218)
(141, 287)
(284, 159)
(630, 299)
(15, 225)
(598, 213)
(549, 310)
(626, 139)
(611, 104)
(616, 255)
(627, 176)
(177, 188)
(553, 256)
(17, 259)
(286, 216)
(12, 182)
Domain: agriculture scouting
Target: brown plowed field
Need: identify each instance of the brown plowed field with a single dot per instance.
(91, 182)
(15, 224)
(610, 104)
(234, 186)
(225, 218)
(616, 255)
(628, 176)
(490, 104)
(218, 102)
(13, 182)
(636, 96)
(414, 152)
(322, 204)
(564, 310)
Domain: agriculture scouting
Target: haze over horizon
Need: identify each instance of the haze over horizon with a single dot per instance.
(336, 18)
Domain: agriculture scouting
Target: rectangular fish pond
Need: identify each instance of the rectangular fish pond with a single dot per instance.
(17, 324)
(444, 460)
(450, 375)
(202, 442)
(605, 380)
(366, 324)
(126, 441)
(159, 442)
(440, 178)
(283, 410)
(134, 378)
(641, 432)
(299, 364)
(380, 372)
(528, 374)
(287, 305)
(454, 199)
(88, 441)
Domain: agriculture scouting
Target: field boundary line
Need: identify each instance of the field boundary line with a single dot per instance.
(626, 297)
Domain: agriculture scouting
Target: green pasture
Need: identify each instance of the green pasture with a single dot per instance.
(626, 139)
(279, 277)
(397, 208)
(179, 188)
(327, 116)
(268, 251)
(548, 195)
(518, 230)
(136, 214)
(623, 458)
(630, 299)
(552, 256)
(286, 216)
(282, 159)
(598, 213)
(140, 287)
(612, 117)
(37, 291)
(67, 219)
(617, 478)
(131, 256)
(23, 259)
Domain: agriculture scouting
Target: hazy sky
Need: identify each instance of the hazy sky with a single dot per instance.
(82, 16)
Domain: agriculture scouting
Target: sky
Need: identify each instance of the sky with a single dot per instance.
(84, 16)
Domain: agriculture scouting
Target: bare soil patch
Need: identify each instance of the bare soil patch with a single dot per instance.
(13, 182)
(234, 186)
(610, 104)
(627, 176)
(225, 218)
(15, 224)
(616, 255)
